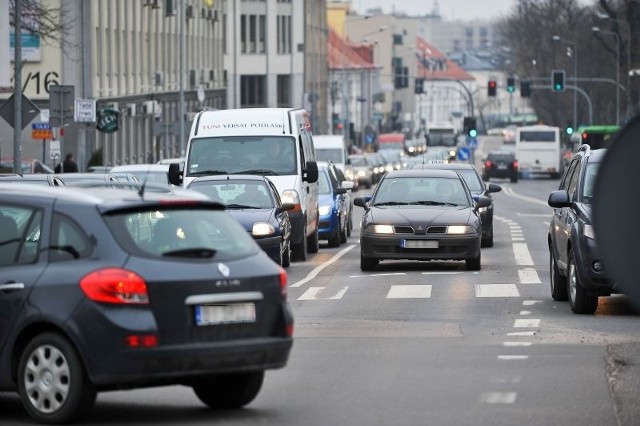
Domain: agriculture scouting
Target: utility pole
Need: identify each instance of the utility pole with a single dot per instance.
(17, 89)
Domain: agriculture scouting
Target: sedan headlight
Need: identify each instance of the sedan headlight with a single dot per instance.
(588, 232)
(361, 173)
(381, 229)
(260, 229)
(459, 229)
(324, 210)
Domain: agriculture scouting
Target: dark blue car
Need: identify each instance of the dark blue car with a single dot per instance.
(333, 208)
(254, 201)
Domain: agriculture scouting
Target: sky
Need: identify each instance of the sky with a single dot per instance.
(465, 10)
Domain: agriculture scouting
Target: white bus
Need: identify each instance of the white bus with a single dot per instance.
(441, 134)
(539, 150)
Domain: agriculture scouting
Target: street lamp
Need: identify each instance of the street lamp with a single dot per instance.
(628, 29)
(574, 53)
(598, 30)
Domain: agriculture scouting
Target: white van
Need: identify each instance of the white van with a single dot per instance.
(331, 148)
(539, 150)
(273, 142)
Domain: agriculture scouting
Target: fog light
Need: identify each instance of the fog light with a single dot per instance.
(598, 266)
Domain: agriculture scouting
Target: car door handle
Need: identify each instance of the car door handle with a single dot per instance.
(11, 286)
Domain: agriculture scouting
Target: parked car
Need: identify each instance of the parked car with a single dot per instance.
(421, 215)
(98, 169)
(500, 164)
(478, 188)
(108, 289)
(576, 268)
(28, 165)
(35, 178)
(333, 203)
(254, 201)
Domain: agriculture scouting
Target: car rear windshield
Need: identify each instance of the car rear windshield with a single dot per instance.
(330, 155)
(187, 233)
(500, 157)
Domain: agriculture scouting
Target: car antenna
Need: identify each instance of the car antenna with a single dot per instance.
(144, 182)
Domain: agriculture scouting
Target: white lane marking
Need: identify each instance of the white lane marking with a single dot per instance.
(496, 290)
(409, 292)
(442, 273)
(512, 357)
(521, 252)
(498, 397)
(317, 270)
(512, 344)
(506, 380)
(518, 239)
(378, 275)
(311, 293)
(527, 323)
(509, 191)
(340, 293)
(525, 312)
(531, 302)
(522, 333)
(528, 276)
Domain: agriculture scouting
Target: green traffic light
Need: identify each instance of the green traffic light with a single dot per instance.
(569, 130)
(473, 133)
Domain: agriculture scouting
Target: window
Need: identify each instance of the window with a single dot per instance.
(68, 240)
(253, 36)
(262, 34)
(243, 33)
(573, 183)
(252, 91)
(284, 90)
(284, 34)
(19, 235)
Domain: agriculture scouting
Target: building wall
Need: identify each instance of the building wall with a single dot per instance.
(316, 68)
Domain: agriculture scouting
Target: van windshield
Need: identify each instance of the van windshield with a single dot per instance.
(334, 155)
(262, 155)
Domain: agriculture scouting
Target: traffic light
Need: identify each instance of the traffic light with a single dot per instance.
(557, 77)
(419, 86)
(469, 126)
(491, 88)
(525, 88)
(511, 84)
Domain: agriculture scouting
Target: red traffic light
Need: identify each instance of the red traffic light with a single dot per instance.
(491, 88)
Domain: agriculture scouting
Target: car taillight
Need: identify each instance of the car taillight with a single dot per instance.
(115, 285)
(487, 164)
(283, 283)
(515, 164)
(141, 341)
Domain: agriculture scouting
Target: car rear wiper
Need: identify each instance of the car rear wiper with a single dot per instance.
(201, 252)
(391, 203)
(209, 172)
(240, 206)
(257, 172)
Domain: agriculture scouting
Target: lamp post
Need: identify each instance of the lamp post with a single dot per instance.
(574, 53)
(629, 74)
(598, 30)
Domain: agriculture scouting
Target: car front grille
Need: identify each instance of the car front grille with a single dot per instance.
(403, 229)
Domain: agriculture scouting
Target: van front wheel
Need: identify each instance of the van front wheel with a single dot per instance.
(299, 251)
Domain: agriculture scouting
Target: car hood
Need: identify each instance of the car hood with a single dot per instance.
(247, 217)
(421, 215)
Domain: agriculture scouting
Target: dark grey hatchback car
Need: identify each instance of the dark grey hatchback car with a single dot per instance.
(577, 271)
(104, 289)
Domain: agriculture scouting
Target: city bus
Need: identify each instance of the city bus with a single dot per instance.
(598, 136)
(539, 150)
(441, 134)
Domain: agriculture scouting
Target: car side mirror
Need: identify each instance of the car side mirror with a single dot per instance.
(310, 173)
(558, 199)
(362, 202)
(175, 175)
(285, 207)
(347, 184)
(492, 187)
(338, 191)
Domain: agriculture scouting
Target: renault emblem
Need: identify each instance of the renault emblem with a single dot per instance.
(224, 269)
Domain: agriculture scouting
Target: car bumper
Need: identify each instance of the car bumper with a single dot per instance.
(594, 281)
(394, 247)
(271, 246)
(501, 173)
(329, 225)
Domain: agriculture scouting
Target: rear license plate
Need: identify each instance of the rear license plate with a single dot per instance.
(419, 244)
(502, 167)
(232, 313)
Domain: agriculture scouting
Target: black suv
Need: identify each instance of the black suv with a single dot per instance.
(500, 164)
(576, 269)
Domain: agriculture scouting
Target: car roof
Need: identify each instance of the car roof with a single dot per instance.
(140, 168)
(231, 177)
(431, 172)
(444, 166)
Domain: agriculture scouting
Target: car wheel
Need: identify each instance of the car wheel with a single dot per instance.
(579, 300)
(514, 178)
(487, 241)
(313, 245)
(343, 233)
(368, 263)
(558, 282)
(474, 264)
(52, 382)
(229, 390)
(300, 250)
(286, 256)
(334, 239)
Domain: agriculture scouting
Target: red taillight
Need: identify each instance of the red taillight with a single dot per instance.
(515, 164)
(141, 341)
(283, 283)
(487, 164)
(115, 285)
(289, 330)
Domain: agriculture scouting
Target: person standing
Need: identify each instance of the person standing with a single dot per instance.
(68, 165)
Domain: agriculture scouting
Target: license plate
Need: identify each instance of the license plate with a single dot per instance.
(502, 167)
(232, 313)
(420, 244)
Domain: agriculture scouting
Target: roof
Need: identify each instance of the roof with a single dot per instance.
(434, 65)
(344, 54)
(228, 177)
(140, 168)
(439, 173)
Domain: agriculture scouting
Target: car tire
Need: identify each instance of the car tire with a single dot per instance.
(579, 301)
(286, 257)
(514, 179)
(334, 239)
(558, 283)
(344, 232)
(313, 245)
(228, 391)
(487, 241)
(475, 263)
(299, 250)
(368, 263)
(52, 382)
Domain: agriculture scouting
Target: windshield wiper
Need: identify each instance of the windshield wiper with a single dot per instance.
(257, 172)
(429, 203)
(201, 252)
(240, 206)
(391, 203)
(209, 172)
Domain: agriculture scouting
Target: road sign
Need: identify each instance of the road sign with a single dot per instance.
(463, 154)
(85, 111)
(41, 131)
(54, 150)
(472, 143)
(29, 111)
(61, 105)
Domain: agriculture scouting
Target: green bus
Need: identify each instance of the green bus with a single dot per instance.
(597, 136)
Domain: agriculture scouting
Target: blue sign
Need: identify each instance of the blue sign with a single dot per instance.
(40, 126)
(472, 142)
(463, 154)
(368, 139)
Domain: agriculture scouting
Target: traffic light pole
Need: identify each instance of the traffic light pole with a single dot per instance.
(577, 89)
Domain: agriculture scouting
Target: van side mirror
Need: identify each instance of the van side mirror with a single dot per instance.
(310, 173)
(175, 174)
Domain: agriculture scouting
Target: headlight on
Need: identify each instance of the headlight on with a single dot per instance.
(324, 210)
(459, 229)
(260, 229)
(588, 232)
(361, 173)
(381, 229)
